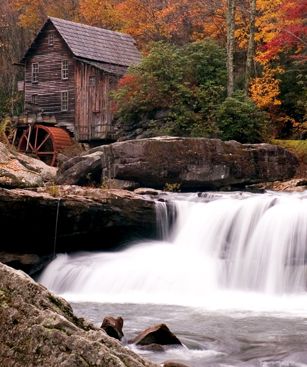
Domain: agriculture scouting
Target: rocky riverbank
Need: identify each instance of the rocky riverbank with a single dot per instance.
(22, 171)
(40, 329)
(39, 218)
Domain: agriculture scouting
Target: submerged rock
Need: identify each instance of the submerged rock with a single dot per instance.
(113, 326)
(21, 171)
(40, 329)
(173, 364)
(158, 334)
(193, 163)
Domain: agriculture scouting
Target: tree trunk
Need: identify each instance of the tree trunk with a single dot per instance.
(231, 5)
(251, 45)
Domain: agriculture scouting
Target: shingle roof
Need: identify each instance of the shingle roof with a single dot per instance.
(97, 44)
(109, 68)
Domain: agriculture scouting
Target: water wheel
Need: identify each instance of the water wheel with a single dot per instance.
(44, 142)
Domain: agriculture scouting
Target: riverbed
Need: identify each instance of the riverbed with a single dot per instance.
(214, 338)
(228, 277)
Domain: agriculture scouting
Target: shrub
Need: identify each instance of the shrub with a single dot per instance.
(188, 82)
(238, 118)
(6, 130)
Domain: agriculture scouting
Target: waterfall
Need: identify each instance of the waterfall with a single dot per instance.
(219, 243)
(165, 214)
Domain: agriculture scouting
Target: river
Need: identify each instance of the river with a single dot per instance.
(229, 279)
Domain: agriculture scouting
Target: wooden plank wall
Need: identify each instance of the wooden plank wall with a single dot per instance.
(50, 83)
(93, 106)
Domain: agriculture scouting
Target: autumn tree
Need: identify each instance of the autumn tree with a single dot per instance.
(230, 16)
(251, 45)
(281, 55)
(101, 13)
(33, 13)
(12, 42)
(290, 33)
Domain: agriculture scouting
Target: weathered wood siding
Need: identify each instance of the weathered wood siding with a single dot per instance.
(93, 105)
(50, 83)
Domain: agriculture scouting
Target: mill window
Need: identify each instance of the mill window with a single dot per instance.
(50, 39)
(64, 69)
(35, 70)
(34, 98)
(64, 101)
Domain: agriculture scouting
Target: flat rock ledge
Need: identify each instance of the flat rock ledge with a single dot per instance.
(40, 329)
(21, 171)
(192, 163)
(71, 218)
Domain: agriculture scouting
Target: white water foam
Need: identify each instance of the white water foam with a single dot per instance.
(233, 252)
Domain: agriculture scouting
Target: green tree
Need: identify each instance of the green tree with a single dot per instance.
(238, 118)
(184, 85)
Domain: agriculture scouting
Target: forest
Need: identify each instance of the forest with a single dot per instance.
(234, 69)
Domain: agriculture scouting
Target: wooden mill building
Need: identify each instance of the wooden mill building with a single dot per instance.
(70, 69)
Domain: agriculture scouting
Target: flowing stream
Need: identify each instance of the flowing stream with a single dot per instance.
(229, 278)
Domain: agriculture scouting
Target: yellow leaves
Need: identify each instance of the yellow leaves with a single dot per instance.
(33, 13)
(100, 13)
(267, 20)
(140, 18)
(265, 90)
(30, 13)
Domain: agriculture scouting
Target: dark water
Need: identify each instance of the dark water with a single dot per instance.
(214, 339)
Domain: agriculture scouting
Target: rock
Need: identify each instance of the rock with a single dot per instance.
(40, 329)
(87, 168)
(193, 163)
(173, 364)
(113, 327)
(302, 183)
(88, 219)
(119, 184)
(32, 264)
(147, 191)
(21, 171)
(152, 347)
(157, 334)
(294, 185)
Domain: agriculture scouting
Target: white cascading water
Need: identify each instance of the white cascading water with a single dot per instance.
(225, 250)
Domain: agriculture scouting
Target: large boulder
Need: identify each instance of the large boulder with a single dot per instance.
(21, 171)
(192, 163)
(72, 218)
(40, 329)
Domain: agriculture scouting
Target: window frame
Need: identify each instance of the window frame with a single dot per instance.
(34, 98)
(50, 39)
(64, 100)
(64, 69)
(34, 72)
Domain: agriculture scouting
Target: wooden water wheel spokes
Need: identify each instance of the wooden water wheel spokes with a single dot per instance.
(44, 142)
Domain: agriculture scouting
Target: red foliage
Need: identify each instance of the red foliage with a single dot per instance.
(292, 31)
(127, 80)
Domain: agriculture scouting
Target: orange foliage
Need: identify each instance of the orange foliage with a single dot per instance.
(101, 13)
(33, 13)
(264, 90)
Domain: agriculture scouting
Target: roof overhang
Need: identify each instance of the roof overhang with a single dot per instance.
(118, 70)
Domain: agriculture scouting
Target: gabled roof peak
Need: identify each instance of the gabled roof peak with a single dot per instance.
(94, 43)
